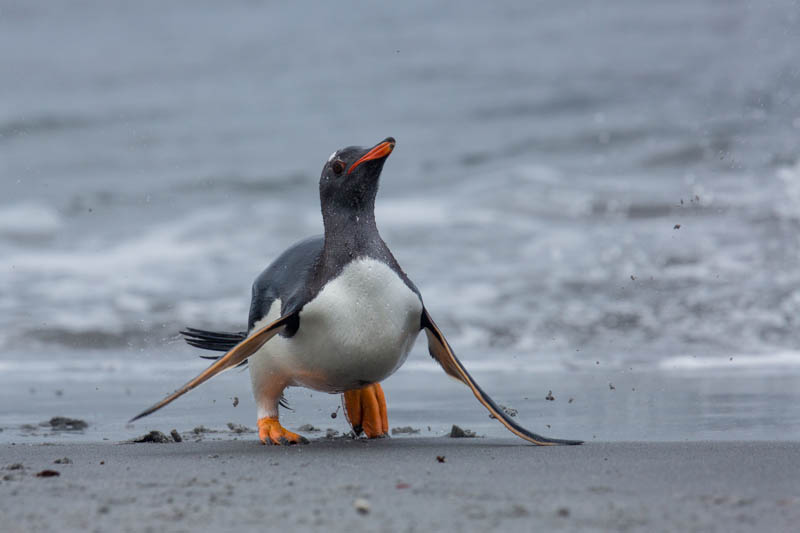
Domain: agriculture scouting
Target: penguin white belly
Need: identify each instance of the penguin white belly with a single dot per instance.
(358, 330)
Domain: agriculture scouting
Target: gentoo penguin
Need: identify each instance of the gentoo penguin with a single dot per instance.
(336, 313)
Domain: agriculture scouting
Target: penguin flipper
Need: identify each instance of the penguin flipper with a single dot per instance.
(235, 355)
(440, 350)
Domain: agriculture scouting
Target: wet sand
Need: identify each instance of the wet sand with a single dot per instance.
(399, 484)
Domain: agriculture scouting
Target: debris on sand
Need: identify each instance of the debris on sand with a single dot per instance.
(239, 428)
(63, 461)
(62, 423)
(15, 466)
(563, 512)
(199, 430)
(361, 505)
(235, 401)
(154, 436)
(611, 386)
(48, 473)
(440, 458)
(458, 433)
(549, 396)
(571, 400)
(676, 226)
(407, 430)
(176, 436)
(335, 413)
(518, 511)
(331, 433)
(308, 427)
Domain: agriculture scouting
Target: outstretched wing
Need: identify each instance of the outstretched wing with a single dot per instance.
(441, 351)
(236, 355)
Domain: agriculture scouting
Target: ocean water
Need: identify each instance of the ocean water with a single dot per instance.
(583, 193)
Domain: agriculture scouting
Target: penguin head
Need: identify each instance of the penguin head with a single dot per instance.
(350, 177)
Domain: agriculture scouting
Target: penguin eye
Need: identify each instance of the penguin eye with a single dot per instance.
(338, 167)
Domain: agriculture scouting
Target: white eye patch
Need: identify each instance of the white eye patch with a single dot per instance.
(332, 156)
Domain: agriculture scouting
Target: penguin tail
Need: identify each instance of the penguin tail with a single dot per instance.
(213, 340)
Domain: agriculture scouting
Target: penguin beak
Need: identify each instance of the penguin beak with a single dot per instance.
(382, 149)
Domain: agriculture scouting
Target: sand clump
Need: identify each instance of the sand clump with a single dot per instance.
(458, 433)
(154, 436)
(404, 430)
(62, 423)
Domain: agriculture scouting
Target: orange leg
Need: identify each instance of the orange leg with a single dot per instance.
(271, 431)
(366, 411)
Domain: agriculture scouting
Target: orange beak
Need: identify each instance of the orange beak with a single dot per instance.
(381, 150)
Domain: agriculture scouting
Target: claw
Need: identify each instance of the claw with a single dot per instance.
(270, 431)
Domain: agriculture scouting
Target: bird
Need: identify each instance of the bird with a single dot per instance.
(336, 313)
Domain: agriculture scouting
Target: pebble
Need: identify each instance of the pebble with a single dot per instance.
(361, 505)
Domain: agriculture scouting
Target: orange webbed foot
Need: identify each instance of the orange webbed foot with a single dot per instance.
(366, 410)
(270, 431)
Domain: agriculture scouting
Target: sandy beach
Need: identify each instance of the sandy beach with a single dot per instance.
(599, 204)
(401, 484)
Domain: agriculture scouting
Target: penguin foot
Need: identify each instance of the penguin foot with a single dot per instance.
(270, 431)
(366, 411)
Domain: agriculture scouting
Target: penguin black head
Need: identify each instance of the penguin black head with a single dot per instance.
(350, 177)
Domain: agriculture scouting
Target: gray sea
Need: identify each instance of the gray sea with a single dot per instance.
(596, 199)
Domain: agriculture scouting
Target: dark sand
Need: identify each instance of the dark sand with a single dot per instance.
(482, 484)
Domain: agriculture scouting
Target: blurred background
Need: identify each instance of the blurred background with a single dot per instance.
(602, 202)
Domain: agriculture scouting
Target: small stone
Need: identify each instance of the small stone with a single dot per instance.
(549, 396)
(331, 433)
(235, 401)
(563, 512)
(308, 427)
(176, 436)
(361, 505)
(571, 400)
(404, 430)
(154, 436)
(239, 428)
(48, 473)
(611, 386)
(518, 511)
(457, 433)
(676, 226)
(63, 461)
(62, 423)
(15, 466)
(440, 458)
